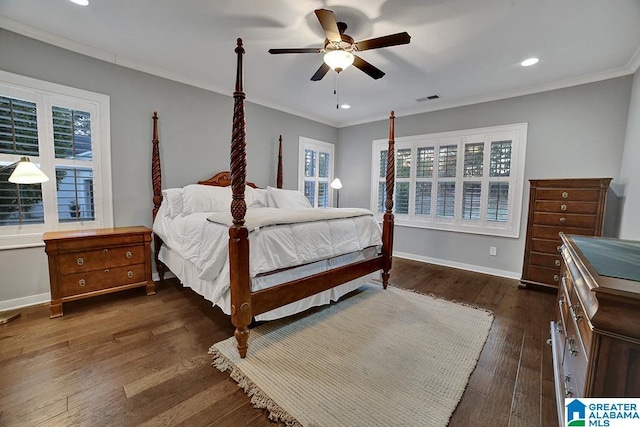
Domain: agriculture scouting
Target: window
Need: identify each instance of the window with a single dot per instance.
(316, 171)
(65, 131)
(469, 181)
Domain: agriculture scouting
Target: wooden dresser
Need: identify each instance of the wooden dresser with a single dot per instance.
(595, 336)
(86, 263)
(572, 206)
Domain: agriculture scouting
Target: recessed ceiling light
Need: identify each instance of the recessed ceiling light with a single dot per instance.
(345, 106)
(81, 2)
(530, 61)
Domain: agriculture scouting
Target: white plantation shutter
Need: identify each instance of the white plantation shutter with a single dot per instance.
(64, 131)
(469, 181)
(316, 171)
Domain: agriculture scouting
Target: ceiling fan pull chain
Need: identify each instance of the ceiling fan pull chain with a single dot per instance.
(335, 92)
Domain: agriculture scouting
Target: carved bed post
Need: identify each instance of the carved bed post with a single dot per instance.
(387, 224)
(238, 233)
(156, 181)
(279, 177)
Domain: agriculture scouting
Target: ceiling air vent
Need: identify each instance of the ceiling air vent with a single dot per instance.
(428, 98)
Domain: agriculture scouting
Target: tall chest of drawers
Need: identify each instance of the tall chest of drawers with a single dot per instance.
(595, 336)
(86, 263)
(572, 206)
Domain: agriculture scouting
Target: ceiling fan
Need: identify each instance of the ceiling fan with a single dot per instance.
(339, 48)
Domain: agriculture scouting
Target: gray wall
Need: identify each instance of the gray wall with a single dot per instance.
(630, 171)
(573, 132)
(195, 135)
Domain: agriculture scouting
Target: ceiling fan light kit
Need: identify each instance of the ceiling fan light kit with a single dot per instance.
(340, 49)
(338, 60)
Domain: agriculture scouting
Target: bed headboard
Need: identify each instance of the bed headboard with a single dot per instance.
(222, 179)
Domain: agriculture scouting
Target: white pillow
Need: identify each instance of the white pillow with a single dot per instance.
(205, 198)
(287, 199)
(256, 197)
(173, 201)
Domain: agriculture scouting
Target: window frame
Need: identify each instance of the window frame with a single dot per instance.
(517, 133)
(45, 95)
(305, 143)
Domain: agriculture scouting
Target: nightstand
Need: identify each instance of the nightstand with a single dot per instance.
(86, 263)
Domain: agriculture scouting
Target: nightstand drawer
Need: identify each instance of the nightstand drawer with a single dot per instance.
(80, 283)
(100, 258)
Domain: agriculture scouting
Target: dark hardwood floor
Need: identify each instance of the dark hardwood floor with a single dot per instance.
(130, 359)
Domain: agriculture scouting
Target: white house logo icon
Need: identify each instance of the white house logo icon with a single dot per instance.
(576, 413)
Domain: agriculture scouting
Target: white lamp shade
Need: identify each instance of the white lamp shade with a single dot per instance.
(27, 173)
(336, 184)
(338, 60)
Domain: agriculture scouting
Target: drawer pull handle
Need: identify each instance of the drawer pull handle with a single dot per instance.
(559, 248)
(128, 254)
(563, 207)
(81, 282)
(80, 261)
(557, 263)
(561, 300)
(565, 195)
(106, 270)
(555, 278)
(562, 220)
(568, 392)
(129, 274)
(105, 250)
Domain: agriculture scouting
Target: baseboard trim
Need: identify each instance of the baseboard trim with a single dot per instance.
(13, 304)
(468, 267)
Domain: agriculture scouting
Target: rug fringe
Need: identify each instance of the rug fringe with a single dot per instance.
(258, 398)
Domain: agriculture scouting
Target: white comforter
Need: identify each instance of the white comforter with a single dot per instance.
(273, 245)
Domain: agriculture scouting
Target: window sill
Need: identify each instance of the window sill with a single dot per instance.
(456, 228)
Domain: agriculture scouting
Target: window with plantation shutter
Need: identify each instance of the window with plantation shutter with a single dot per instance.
(316, 171)
(469, 181)
(65, 132)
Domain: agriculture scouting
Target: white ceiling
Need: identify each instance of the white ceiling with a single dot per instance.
(466, 51)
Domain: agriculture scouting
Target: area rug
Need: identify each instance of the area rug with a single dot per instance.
(378, 358)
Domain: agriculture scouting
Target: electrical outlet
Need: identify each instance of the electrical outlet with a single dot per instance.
(493, 251)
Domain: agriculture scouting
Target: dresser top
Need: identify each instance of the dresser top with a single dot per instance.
(608, 265)
(96, 232)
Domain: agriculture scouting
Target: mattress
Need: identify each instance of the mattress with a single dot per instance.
(196, 251)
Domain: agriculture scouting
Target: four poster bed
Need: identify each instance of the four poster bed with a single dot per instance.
(299, 257)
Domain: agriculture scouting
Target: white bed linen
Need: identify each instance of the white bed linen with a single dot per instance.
(197, 253)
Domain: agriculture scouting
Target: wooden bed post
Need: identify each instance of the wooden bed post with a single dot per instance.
(156, 181)
(387, 224)
(238, 233)
(279, 177)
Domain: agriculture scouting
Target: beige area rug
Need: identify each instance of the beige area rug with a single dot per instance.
(379, 358)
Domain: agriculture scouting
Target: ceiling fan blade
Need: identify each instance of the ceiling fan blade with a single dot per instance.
(296, 50)
(385, 41)
(324, 69)
(329, 24)
(367, 68)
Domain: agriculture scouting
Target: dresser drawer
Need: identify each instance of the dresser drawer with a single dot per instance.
(551, 232)
(565, 220)
(545, 260)
(567, 207)
(569, 194)
(576, 353)
(80, 283)
(546, 246)
(544, 275)
(100, 258)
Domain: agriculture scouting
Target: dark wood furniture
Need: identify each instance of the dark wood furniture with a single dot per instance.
(595, 336)
(86, 263)
(244, 302)
(572, 206)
